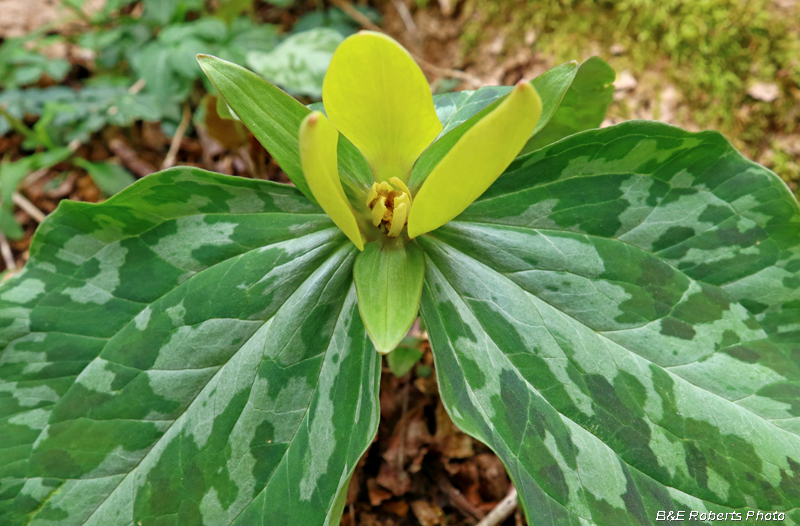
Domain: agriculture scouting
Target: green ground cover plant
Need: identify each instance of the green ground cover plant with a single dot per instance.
(613, 312)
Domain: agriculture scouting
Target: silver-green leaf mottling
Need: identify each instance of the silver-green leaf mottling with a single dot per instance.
(188, 352)
(617, 317)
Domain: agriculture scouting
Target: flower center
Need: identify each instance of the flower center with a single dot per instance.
(390, 202)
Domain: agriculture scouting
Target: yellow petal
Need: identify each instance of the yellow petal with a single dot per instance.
(318, 140)
(398, 220)
(475, 161)
(376, 95)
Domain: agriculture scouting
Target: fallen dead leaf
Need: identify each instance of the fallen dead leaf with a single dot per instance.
(764, 91)
(398, 507)
(450, 440)
(395, 480)
(427, 514)
(376, 494)
(493, 476)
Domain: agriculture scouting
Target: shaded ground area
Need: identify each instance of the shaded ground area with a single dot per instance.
(718, 64)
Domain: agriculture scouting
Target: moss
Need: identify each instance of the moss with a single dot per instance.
(712, 50)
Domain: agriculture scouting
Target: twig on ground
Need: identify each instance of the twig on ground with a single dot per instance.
(129, 158)
(362, 19)
(503, 509)
(175, 146)
(28, 207)
(137, 86)
(458, 499)
(405, 16)
(463, 76)
(41, 172)
(356, 15)
(8, 256)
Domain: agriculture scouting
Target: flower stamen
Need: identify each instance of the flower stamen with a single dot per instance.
(390, 203)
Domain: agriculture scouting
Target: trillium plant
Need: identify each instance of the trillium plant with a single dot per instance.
(614, 312)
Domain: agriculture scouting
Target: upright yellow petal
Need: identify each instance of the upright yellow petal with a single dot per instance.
(377, 96)
(475, 161)
(318, 140)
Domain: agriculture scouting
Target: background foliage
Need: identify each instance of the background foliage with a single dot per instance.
(717, 53)
(103, 96)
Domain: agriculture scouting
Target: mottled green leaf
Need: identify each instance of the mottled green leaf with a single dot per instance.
(298, 64)
(187, 352)
(274, 118)
(168, 63)
(388, 278)
(164, 11)
(458, 107)
(80, 113)
(246, 35)
(20, 66)
(617, 318)
(583, 107)
(335, 18)
(460, 110)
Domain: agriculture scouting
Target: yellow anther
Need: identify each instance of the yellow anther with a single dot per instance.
(402, 199)
(397, 183)
(378, 210)
(398, 220)
(390, 203)
(372, 195)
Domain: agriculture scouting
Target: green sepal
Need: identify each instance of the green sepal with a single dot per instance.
(274, 118)
(389, 280)
(583, 107)
(460, 111)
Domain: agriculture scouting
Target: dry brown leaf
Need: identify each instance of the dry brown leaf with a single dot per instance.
(427, 514)
(398, 507)
(451, 442)
(376, 494)
(493, 476)
(395, 480)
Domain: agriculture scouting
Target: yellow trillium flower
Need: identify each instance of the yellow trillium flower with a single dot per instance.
(377, 96)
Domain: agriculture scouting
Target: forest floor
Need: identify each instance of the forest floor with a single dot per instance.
(421, 469)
